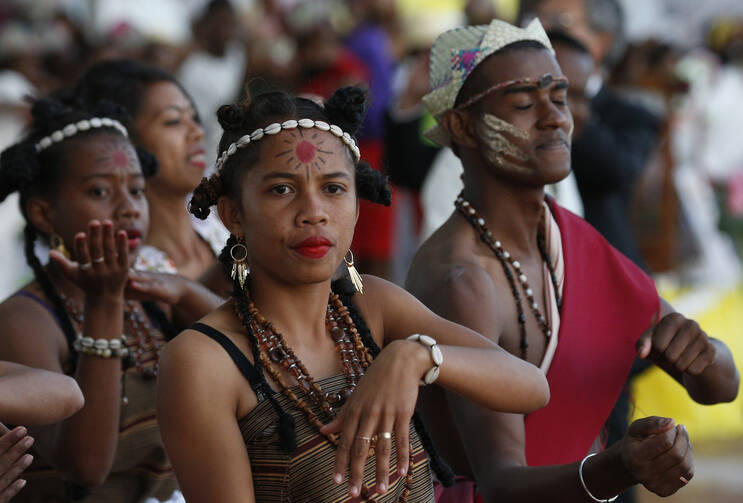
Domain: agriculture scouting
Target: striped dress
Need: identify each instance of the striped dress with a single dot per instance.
(141, 468)
(306, 474)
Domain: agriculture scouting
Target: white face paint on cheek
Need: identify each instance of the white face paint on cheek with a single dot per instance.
(492, 131)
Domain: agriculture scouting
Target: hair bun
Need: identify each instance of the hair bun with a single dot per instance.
(147, 162)
(48, 111)
(19, 166)
(107, 108)
(231, 117)
(347, 108)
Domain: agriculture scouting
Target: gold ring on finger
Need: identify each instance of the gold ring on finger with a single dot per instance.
(364, 438)
(386, 435)
(98, 260)
(85, 267)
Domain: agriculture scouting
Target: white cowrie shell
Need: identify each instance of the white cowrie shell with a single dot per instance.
(307, 123)
(231, 149)
(322, 126)
(95, 122)
(272, 128)
(45, 142)
(243, 141)
(290, 124)
(83, 125)
(57, 136)
(256, 135)
(69, 130)
(336, 130)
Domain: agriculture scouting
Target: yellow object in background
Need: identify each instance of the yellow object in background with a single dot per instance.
(507, 9)
(657, 394)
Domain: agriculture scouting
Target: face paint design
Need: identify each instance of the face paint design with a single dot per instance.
(304, 151)
(493, 133)
(116, 155)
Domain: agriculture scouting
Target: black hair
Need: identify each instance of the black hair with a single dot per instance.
(345, 108)
(31, 173)
(122, 81)
(561, 37)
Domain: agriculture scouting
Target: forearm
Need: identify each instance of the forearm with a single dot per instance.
(494, 379)
(86, 443)
(604, 475)
(718, 383)
(35, 397)
(197, 302)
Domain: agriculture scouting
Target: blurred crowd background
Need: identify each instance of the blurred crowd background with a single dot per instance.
(674, 177)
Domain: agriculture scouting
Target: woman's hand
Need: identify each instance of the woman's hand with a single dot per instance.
(102, 265)
(13, 460)
(155, 286)
(383, 403)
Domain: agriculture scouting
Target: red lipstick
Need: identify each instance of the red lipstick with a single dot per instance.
(315, 247)
(133, 238)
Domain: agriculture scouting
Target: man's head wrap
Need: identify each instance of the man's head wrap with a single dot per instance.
(456, 53)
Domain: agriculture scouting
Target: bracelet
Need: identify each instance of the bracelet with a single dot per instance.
(104, 348)
(436, 355)
(583, 482)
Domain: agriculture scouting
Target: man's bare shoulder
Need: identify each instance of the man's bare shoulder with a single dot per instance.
(449, 266)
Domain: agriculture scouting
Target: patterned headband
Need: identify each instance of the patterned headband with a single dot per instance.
(77, 127)
(276, 127)
(542, 82)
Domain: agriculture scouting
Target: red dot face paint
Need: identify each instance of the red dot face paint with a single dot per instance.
(305, 152)
(120, 159)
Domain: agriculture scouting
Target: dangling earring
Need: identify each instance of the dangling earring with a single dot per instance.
(57, 243)
(354, 274)
(239, 255)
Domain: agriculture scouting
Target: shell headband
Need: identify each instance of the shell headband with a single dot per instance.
(276, 127)
(77, 127)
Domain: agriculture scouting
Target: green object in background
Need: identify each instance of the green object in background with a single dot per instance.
(427, 122)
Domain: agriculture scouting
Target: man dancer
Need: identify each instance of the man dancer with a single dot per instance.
(547, 287)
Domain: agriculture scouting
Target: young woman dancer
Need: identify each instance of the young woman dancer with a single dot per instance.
(332, 377)
(82, 191)
(164, 122)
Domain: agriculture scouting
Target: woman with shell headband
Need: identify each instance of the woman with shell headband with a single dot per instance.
(82, 192)
(311, 395)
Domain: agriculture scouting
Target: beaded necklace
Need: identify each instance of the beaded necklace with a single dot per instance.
(512, 270)
(145, 336)
(355, 359)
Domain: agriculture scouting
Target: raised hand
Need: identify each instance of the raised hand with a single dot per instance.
(102, 265)
(677, 344)
(658, 454)
(13, 460)
(381, 405)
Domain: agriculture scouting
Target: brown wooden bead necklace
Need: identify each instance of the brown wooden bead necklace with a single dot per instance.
(512, 270)
(355, 359)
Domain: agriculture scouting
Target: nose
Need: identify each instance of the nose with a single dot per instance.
(311, 211)
(130, 207)
(195, 132)
(553, 116)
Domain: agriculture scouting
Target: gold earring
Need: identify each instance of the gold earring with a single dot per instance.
(239, 255)
(57, 243)
(354, 274)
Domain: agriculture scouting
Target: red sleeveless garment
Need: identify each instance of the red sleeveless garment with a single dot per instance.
(608, 302)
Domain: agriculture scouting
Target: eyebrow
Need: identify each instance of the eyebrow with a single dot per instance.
(110, 175)
(530, 88)
(177, 108)
(285, 174)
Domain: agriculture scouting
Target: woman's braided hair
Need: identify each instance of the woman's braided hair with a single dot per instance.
(31, 174)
